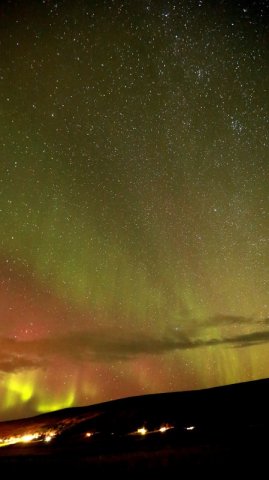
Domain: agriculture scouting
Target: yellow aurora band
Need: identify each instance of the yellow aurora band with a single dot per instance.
(19, 388)
(22, 388)
(67, 400)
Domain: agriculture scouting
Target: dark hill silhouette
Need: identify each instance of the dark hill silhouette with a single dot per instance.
(217, 426)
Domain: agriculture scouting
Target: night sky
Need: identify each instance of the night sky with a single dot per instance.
(134, 199)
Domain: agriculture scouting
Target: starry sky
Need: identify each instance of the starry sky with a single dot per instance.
(134, 198)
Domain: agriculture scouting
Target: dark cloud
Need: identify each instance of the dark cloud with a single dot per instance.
(13, 356)
(221, 319)
(248, 339)
(84, 346)
(15, 363)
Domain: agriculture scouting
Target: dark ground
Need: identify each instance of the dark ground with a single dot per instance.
(230, 435)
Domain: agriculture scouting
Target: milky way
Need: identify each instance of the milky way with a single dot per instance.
(134, 199)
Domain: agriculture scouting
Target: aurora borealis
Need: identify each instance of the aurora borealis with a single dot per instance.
(134, 199)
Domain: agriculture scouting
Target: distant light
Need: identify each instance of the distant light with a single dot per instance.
(191, 427)
(49, 435)
(88, 434)
(142, 431)
(10, 440)
(164, 428)
(28, 437)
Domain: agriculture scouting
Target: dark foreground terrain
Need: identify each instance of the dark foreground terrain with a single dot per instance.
(211, 431)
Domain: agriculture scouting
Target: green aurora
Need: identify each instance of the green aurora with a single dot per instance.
(133, 199)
